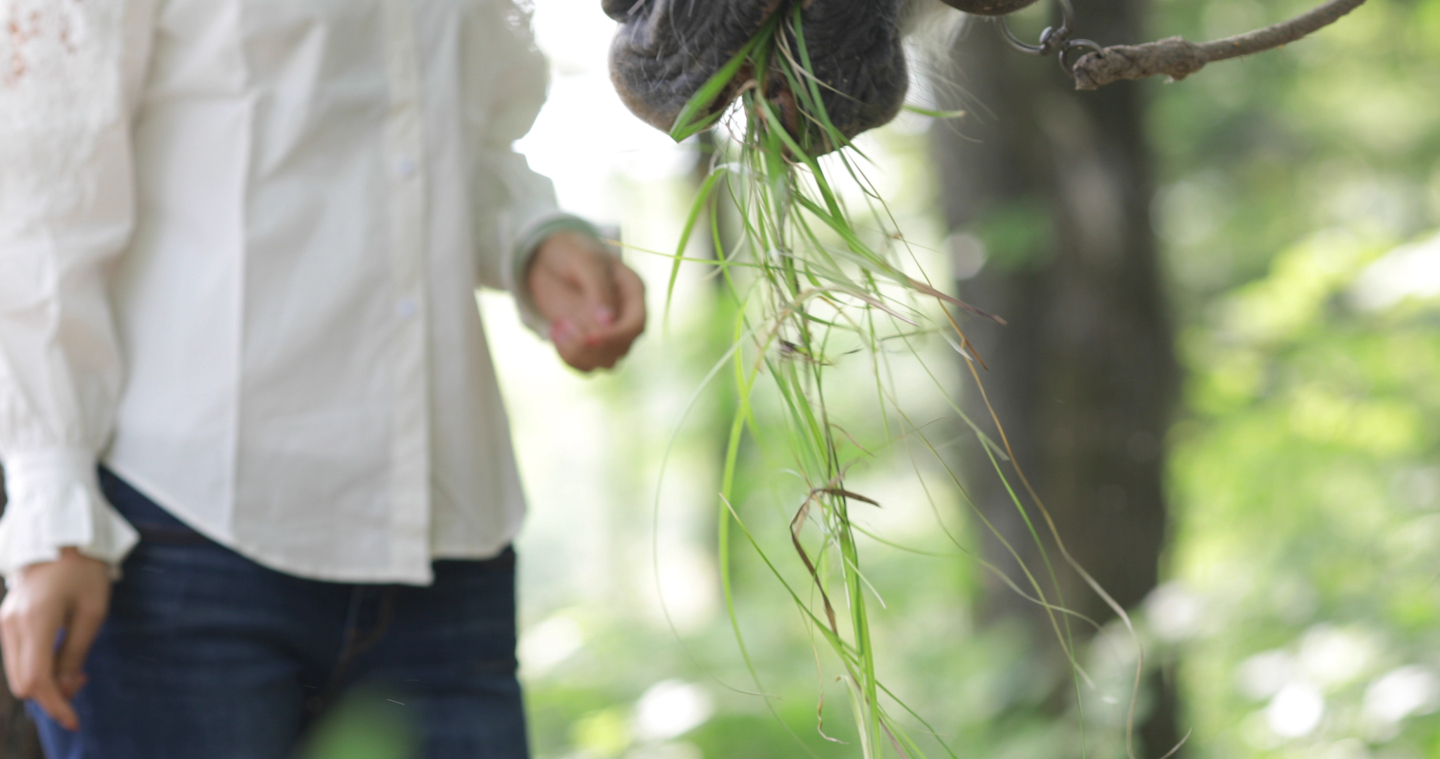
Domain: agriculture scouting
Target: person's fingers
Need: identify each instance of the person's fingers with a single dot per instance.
(569, 280)
(594, 303)
(80, 634)
(588, 352)
(10, 647)
(630, 295)
(592, 273)
(38, 626)
(48, 697)
(579, 355)
(578, 346)
(562, 333)
(582, 264)
(613, 343)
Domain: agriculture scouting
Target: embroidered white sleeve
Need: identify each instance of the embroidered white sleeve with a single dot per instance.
(66, 210)
(59, 89)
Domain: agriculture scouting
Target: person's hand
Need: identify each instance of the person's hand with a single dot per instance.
(72, 594)
(595, 304)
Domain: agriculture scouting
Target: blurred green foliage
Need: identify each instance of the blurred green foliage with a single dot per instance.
(1307, 483)
(1305, 473)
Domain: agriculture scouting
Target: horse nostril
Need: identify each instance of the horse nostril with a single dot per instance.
(618, 9)
(987, 7)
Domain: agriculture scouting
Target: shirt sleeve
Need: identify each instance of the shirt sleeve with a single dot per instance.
(72, 72)
(515, 208)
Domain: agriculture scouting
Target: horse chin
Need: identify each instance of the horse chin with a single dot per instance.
(666, 50)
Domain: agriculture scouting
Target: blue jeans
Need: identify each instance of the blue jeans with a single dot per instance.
(208, 655)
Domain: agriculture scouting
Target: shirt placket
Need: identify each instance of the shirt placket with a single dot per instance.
(405, 151)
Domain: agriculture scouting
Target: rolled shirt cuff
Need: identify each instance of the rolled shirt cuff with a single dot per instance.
(54, 502)
(527, 243)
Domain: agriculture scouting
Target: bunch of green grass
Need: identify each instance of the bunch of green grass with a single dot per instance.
(811, 284)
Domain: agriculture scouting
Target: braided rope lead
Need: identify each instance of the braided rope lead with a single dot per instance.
(1178, 58)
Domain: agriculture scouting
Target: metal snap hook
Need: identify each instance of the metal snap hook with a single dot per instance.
(1051, 39)
(1014, 42)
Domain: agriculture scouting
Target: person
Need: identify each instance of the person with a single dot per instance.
(242, 371)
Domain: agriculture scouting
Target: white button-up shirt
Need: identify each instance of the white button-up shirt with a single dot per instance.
(239, 242)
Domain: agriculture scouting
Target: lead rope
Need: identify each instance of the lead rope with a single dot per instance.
(1174, 57)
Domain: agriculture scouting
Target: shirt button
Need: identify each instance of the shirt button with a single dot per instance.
(405, 308)
(406, 167)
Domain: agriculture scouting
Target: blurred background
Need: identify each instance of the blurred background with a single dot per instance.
(1222, 372)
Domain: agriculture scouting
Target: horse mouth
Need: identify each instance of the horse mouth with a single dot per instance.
(666, 51)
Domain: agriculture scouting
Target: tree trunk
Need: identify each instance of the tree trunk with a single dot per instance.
(17, 733)
(1055, 188)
